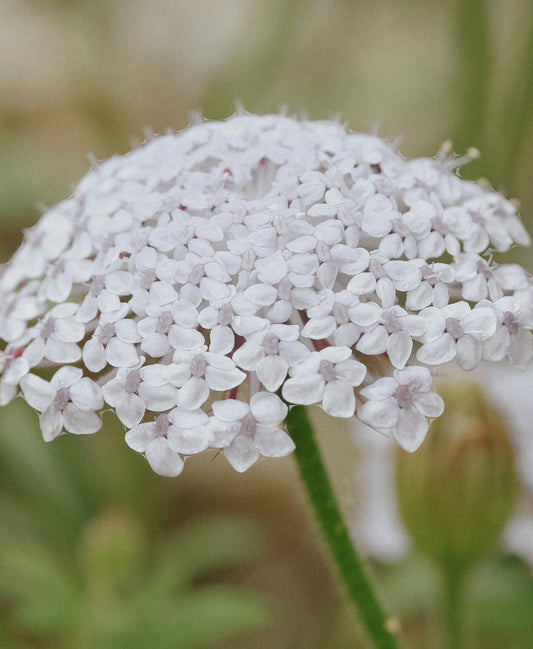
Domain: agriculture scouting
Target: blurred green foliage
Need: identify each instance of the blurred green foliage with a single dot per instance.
(87, 562)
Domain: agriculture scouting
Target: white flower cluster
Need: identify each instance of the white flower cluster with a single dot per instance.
(207, 281)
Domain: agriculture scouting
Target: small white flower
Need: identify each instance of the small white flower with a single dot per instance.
(401, 404)
(246, 431)
(328, 376)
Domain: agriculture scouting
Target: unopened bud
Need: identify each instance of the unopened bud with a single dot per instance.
(456, 492)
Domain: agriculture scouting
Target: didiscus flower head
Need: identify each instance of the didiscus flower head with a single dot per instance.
(208, 281)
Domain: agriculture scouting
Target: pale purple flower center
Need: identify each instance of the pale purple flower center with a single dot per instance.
(248, 425)
(62, 398)
(133, 381)
(404, 396)
(327, 369)
(107, 332)
(453, 327)
(161, 425)
(271, 344)
(509, 320)
(164, 322)
(48, 328)
(198, 365)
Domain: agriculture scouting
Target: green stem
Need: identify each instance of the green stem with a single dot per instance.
(319, 488)
(452, 601)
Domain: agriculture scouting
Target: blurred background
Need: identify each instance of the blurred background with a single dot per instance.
(95, 550)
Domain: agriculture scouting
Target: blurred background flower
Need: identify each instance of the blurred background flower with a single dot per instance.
(87, 533)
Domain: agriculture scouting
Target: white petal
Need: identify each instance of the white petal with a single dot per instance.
(267, 408)
(365, 314)
(339, 399)
(304, 390)
(94, 356)
(351, 371)
(429, 404)
(271, 371)
(65, 377)
(80, 422)
(223, 379)
(273, 442)
(399, 347)
(318, 328)
(189, 440)
(230, 409)
(158, 398)
(182, 338)
(130, 410)
(373, 342)
(382, 414)
(51, 424)
(139, 437)
(468, 353)
(58, 351)
(37, 392)
(193, 394)
(480, 322)
(86, 394)
(241, 453)
(126, 330)
(411, 430)
(121, 354)
(155, 345)
(437, 352)
(222, 340)
(163, 459)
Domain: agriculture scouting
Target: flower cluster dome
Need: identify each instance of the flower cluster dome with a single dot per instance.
(209, 280)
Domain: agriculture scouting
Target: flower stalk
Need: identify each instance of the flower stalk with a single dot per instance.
(324, 502)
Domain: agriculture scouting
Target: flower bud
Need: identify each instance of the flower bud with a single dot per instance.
(456, 492)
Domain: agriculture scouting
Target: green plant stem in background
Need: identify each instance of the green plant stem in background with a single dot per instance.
(321, 494)
(453, 590)
(472, 70)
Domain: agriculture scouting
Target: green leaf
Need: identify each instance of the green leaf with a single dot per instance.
(201, 619)
(202, 547)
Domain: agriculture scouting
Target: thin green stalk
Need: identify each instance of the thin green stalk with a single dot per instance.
(321, 494)
(472, 46)
(453, 589)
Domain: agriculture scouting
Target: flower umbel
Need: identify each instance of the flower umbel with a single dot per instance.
(193, 282)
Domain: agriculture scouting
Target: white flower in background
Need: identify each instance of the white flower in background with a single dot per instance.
(193, 282)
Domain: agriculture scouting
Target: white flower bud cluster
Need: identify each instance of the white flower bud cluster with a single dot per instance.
(207, 281)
